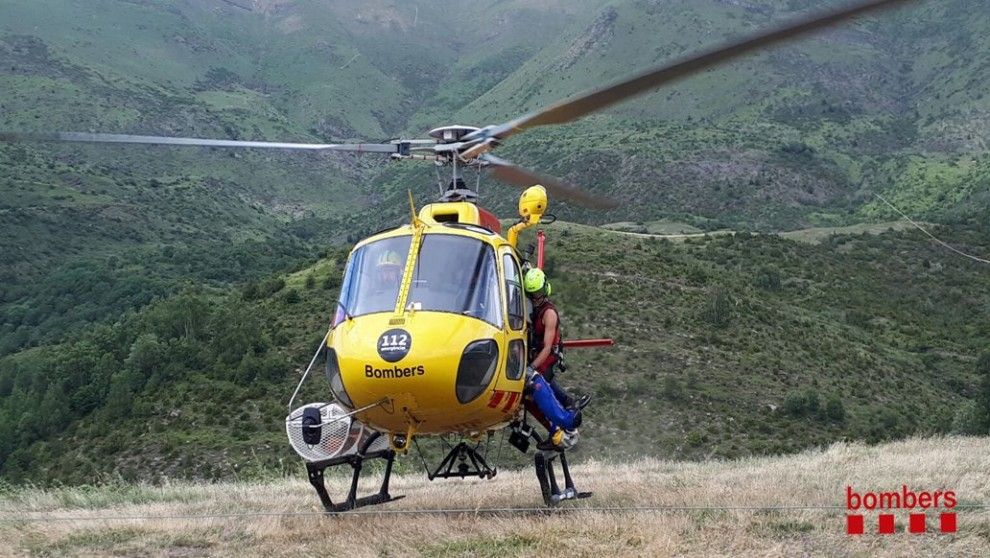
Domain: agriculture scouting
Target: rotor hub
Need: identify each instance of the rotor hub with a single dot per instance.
(451, 134)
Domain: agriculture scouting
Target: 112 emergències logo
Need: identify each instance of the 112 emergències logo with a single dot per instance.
(917, 503)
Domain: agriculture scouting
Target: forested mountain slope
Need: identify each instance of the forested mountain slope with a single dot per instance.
(143, 284)
(726, 346)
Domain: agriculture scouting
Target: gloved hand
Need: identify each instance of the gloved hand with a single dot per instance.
(530, 374)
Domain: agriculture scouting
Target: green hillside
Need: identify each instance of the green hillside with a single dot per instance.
(726, 346)
(800, 135)
(289, 70)
(144, 286)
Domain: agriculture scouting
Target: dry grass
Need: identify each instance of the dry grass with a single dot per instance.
(810, 479)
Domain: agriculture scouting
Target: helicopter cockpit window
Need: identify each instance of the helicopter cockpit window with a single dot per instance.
(373, 276)
(456, 274)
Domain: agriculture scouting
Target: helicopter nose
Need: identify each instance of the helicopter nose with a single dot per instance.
(432, 361)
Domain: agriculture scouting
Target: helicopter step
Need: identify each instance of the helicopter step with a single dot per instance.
(468, 461)
(326, 435)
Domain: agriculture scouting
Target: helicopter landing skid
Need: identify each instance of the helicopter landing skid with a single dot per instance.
(356, 461)
(552, 494)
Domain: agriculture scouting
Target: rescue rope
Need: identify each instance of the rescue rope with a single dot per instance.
(308, 368)
(933, 237)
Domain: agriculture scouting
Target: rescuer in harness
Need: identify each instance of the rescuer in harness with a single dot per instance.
(561, 411)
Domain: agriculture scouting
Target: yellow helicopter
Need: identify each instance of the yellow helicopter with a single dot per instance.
(429, 336)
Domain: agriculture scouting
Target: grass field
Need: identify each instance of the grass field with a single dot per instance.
(730, 511)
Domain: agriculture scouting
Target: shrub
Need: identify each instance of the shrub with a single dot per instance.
(718, 309)
(768, 278)
(982, 403)
(331, 282)
(967, 419)
(696, 275)
(802, 404)
(794, 404)
(856, 318)
(291, 296)
(695, 438)
(835, 411)
(672, 389)
(271, 286)
(250, 292)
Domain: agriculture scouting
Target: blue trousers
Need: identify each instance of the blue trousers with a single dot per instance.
(547, 402)
(562, 396)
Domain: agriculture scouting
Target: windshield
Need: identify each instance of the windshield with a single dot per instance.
(456, 274)
(372, 279)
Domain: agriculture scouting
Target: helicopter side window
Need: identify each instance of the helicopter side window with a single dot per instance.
(457, 274)
(513, 292)
(374, 274)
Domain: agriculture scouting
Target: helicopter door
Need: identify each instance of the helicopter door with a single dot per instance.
(515, 309)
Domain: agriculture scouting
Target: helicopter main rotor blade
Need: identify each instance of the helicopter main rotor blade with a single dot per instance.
(514, 174)
(86, 137)
(591, 101)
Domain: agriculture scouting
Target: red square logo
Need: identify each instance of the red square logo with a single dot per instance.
(854, 525)
(948, 522)
(916, 523)
(886, 526)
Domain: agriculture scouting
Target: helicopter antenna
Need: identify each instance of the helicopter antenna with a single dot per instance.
(412, 209)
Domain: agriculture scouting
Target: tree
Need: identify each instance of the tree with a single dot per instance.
(146, 354)
(121, 394)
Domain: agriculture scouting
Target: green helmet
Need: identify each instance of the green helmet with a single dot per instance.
(535, 282)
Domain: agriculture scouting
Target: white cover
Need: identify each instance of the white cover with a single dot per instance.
(341, 434)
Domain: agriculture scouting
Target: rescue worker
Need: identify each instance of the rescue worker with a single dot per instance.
(546, 339)
(389, 270)
(383, 283)
(561, 410)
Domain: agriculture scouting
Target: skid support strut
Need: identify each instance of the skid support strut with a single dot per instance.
(552, 494)
(356, 461)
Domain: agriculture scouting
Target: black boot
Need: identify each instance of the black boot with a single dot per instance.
(580, 403)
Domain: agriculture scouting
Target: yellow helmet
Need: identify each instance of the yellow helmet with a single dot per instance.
(389, 257)
(535, 282)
